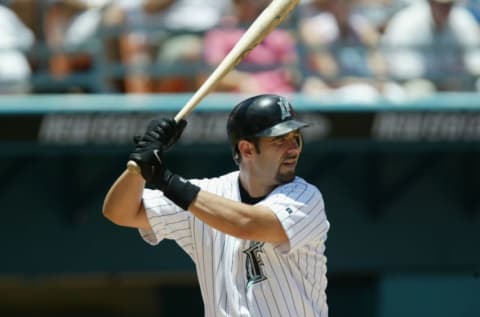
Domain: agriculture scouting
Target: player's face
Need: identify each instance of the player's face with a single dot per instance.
(278, 156)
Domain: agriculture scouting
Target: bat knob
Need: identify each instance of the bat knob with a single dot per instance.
(133, 167)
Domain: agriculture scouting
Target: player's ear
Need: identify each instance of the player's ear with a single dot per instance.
(246, 149)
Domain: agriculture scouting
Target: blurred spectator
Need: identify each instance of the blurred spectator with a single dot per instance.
(341, 46)
(379, 12)
(15, 39)
(30, 12)
(474, 7)
(68, 27)
(435, 40)
(165, 33)
(266, 67)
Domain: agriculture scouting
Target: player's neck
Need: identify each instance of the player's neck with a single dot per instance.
(254, 188)
(245, 196)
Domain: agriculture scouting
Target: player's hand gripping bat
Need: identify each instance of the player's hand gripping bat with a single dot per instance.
(270, 18)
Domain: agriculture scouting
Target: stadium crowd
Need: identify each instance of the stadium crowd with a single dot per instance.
(359, 49)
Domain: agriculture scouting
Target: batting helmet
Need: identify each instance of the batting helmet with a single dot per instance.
(261, 116)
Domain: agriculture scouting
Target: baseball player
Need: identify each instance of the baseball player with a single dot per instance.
(256, 235)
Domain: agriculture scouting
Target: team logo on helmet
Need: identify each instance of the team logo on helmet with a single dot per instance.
(285, 107)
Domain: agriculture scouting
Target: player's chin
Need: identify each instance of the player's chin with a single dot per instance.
(286, 176)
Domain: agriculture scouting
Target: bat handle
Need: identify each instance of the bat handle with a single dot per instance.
(133, 167)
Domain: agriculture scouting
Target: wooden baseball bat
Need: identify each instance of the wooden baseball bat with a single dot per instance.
(269, 19)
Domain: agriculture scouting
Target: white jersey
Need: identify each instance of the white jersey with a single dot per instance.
(250, 278)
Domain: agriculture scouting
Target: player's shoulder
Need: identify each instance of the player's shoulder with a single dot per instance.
(298, 192)
(299, 181)
(298, 186)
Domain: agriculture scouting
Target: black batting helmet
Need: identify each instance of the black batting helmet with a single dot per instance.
(261, 116)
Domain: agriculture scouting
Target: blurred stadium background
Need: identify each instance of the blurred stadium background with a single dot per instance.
(396, 155)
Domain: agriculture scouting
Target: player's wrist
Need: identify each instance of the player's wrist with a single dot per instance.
(179, 190)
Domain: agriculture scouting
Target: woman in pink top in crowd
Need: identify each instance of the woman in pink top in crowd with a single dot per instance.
(267, 68)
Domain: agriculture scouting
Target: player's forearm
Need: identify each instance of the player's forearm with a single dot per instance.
(238, 219)
(123, 202)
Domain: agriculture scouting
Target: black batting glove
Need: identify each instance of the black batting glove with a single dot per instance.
(154, 171)
(165, 131)
(160, 135)
(149, 157)
(148, 154)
